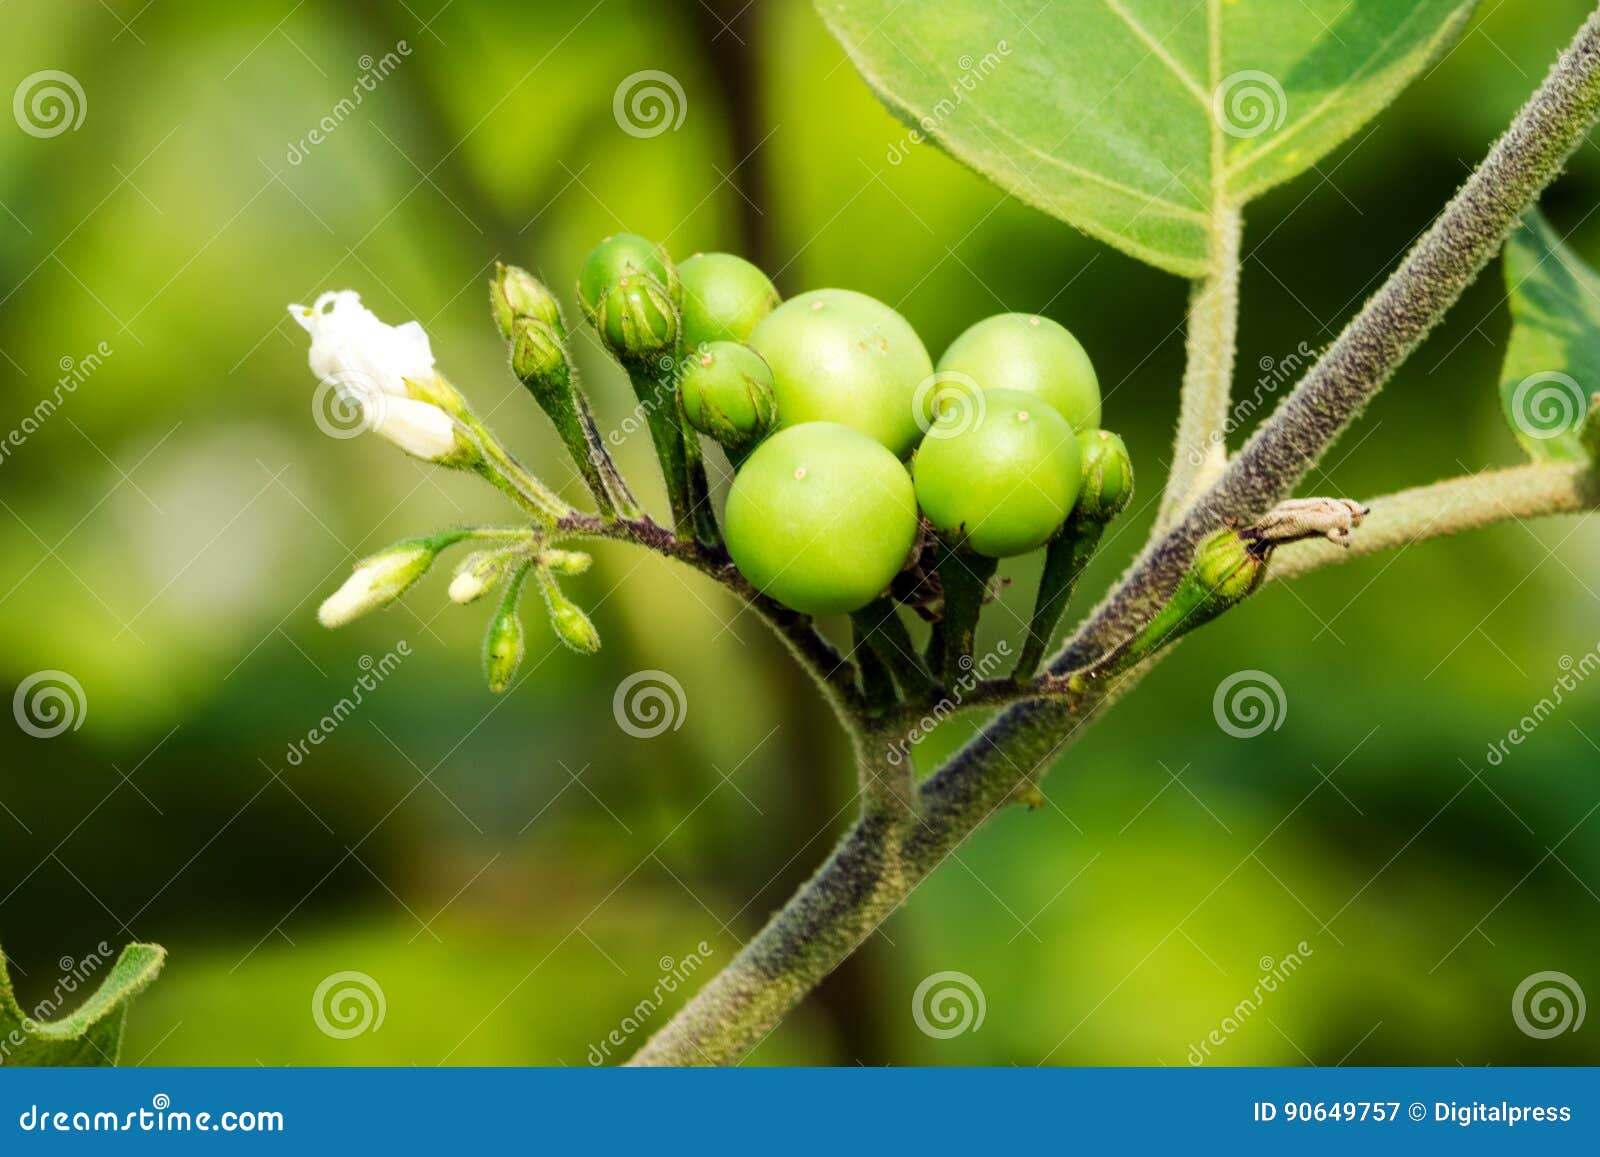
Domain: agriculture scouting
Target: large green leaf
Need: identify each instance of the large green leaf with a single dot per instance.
(89, 1035)
(1552, 366)
(1139, 121)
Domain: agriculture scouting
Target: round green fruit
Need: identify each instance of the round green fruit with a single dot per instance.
(723, 298)
(727, 394)
(629, 290)
(840, 356)
(1022, 351)
(999, 480)
(821, 518)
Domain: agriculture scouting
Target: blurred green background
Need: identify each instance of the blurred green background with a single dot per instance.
(514, 873)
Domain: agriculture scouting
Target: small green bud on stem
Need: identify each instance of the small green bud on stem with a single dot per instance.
(504, 642)
(728, 395)
(571, 625)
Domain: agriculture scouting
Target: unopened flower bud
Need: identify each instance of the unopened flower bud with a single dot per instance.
(571, 625)
(537, 354)
(478, 573)
(1107, 476)
(422, 430)
(503, 647)
(377, 581)
(727, 392)
(565, 562)
(514, 293)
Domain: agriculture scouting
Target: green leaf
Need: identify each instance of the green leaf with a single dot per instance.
(89, 1035)
(1140, 121)
(1552, 366)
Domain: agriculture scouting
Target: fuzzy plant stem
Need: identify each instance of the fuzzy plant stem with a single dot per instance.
(879, 626)
(882, 859)
(657, 394)
(557, 395)
(621, 496)
(1467, 234)
(965, 579)
(1064, 561)
(1199, 451)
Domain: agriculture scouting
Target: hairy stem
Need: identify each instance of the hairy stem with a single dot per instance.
(1466, 235)
(1200, 450)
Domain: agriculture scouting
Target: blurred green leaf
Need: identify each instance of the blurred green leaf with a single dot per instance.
(1552, 362)
(1137, 121)
(89, 1035)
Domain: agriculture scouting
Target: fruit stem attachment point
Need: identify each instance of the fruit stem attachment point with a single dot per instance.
(1065, 558)
(881, 628)
(965, 579)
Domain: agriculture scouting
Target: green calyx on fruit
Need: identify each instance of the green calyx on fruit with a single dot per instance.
(1022, 351)
(1107, 476)
(514, 294)
(724, 297)
(1001, 478)
(841, 356)
(821, 518)
(630, 291)
(728, 395)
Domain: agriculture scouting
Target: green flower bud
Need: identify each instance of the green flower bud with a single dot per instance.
(571, 625)
(1107, 475)
(378, 580)
(1225, 569)
(723, 298)
(503, 647)
(727, 393)
(630, 292)
(479, 573)
(565, 562)
(514, 293)
(537, 353)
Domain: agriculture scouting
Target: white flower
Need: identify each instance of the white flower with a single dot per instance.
(376, 582)
(476, 574)
(418, 428)
(350, 346)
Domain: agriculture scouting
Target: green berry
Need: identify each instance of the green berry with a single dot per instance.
(723, 298)
(727, 394)
(999, 480)
(1107, 475)
(840, 356)
(629, 291)
(1022, 351)
(821, 517)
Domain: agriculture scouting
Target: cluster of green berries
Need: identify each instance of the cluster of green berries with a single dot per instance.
(844, 433)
